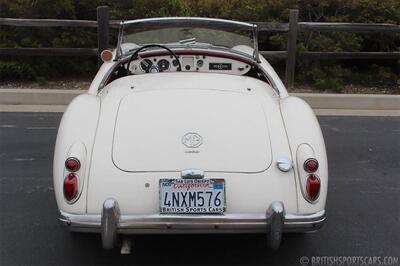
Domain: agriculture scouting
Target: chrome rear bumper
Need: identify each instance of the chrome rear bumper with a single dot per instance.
(111, 223)
(226, 223)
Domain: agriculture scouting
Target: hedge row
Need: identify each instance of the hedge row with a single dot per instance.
(332, 75)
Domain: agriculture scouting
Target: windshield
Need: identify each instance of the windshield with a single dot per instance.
(192, 32)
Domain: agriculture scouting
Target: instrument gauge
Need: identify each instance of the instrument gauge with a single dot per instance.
(154, 69)
(200, 63)
(163, 65)
(175, 63)
(145, 65)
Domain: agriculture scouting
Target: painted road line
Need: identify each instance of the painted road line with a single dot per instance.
(41, 128)
(33, 108)
(351, 112)
(7, 126)
(24, 159)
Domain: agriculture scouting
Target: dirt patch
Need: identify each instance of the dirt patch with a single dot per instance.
(69, 84)
(348, 89)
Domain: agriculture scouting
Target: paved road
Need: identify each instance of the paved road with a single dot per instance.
(363, 204)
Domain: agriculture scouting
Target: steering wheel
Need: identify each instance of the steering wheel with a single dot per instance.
(136, 53)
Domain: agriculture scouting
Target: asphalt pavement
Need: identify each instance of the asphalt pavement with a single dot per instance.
(363, 204)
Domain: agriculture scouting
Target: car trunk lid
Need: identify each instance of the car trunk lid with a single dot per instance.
(176, 129)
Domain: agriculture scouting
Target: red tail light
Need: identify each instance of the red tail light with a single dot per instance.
(311, 165)
(72, 164)
(313, 186)
(70, 187)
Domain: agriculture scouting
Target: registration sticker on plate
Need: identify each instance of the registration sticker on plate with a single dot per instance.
(192, 196)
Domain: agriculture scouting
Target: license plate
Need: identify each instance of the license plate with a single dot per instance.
(188, 196)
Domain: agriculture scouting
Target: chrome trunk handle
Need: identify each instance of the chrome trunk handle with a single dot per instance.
(192, 174)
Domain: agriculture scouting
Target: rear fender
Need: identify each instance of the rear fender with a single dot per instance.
(305, 140)
(75, 138)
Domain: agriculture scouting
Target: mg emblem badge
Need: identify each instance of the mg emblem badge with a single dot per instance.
(192, 140)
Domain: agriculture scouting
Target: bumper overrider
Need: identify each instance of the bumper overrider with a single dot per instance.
(111, 222)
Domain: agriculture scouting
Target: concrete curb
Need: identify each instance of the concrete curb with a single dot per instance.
(320, 101)
(37, 96)
(351, 101)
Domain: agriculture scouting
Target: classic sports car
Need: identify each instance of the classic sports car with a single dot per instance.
(187, 128)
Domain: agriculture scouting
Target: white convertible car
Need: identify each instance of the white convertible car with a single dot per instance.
(187, 129)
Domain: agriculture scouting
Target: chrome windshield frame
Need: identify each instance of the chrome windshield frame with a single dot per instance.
(212, 23)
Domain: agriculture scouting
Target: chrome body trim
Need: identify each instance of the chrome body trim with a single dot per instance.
(190, 21)
(275, 218)
(212, 23)
(109, 223)
(192, 174)
(284, 164)
(256, 54)
(118, 53)
(226, 223)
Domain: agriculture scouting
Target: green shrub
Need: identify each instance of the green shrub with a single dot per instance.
(373, 75)
(16, 71)
(326, 75)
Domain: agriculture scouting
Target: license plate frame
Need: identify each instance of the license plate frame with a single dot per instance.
(195, 189)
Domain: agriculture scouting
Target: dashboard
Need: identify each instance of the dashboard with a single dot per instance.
(189, 63)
